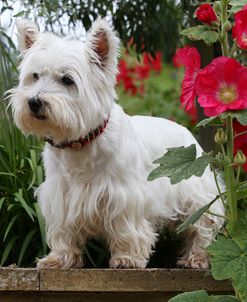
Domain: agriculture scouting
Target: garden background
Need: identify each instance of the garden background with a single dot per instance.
(149, 82)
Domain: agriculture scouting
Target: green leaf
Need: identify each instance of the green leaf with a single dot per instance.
(206, 121)
(241, 116)
(223, 298)
(194, 217)
(196, 296)
(1, 202)
(20, 14)
(238, 232)
(242, 191)
(201, 32)
(229, 261)
(180, 163)
(237, 5)
(12, 221)
(8, 249)
(41, 222)
(28, 209)
(25, 245)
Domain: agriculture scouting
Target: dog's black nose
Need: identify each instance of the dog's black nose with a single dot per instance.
(34, 104)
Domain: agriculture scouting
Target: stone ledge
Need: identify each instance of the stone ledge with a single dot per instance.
(109, 280)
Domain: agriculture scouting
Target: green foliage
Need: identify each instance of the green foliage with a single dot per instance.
(160, 97)
(180, 163)
(206, 121)
(195, 216)
(240, 116)
(229, 261)
(149, 24)
(236, 5)
(21, 229)
(202, 296)
(201, 32)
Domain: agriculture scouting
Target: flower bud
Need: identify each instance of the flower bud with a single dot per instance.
(217, 7)
(227, 26)
(239, 158)
(220, 136)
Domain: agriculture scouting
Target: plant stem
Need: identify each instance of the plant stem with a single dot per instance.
(238, 175)
(224, 36)
(217, 215)
(229, 173)
(218, 188)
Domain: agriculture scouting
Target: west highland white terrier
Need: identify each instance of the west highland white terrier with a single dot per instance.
(97, 158)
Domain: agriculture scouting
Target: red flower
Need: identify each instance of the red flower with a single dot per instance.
(240, 142)
(221, 86)
(142, 71)
(206, 14)
(190, 58)
(124, 75)
(153, 63)
(239, 30)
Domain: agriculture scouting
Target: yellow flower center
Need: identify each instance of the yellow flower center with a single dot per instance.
(228, 94)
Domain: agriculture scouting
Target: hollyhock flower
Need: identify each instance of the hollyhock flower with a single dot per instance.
(221, 86)
(240, 142)
(190, 58)
(239, 31)
(206, 14)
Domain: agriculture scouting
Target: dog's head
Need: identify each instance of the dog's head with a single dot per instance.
(66, 87)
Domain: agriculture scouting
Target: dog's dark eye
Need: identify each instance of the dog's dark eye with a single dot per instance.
(35, 76)
(66, 80)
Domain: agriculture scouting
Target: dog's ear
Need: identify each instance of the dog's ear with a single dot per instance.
(27, 33)
(102, 44)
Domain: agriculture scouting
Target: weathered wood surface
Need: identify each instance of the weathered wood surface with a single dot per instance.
(83, 285)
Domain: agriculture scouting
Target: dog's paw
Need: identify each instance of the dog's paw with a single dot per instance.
(127, 262)
(58, 261)
(196, 261)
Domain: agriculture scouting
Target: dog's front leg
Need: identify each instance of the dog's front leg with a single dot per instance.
(130, 242)
(66, 250)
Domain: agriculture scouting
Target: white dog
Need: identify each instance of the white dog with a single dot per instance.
(97, 158)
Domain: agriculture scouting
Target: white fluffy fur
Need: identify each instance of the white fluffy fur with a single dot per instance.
(103, 188)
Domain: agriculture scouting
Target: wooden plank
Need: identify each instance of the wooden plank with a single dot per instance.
(146, 280)
(83, 297)
(13, 279)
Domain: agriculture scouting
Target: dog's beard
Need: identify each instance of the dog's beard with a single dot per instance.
(56, 119)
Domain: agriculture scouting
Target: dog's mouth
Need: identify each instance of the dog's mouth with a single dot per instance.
(39, 116)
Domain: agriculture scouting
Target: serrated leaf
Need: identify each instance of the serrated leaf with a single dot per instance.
(206, 121)
(194, 217)
(229, 261)
(240, 116)
(201, 32)
(237, 5)
(196, 296)
(180, 163)
(238, 232)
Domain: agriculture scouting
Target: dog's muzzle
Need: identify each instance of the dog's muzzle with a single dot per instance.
(36, 105)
